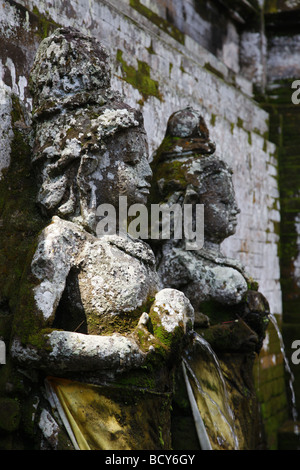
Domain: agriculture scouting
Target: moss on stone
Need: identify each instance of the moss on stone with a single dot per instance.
(158, 21)
(45, 26)
(140, 78)
(170, 340)
(249, 138)
(150, 49)
(124, 323)
(21, 222)
(213, 70)
(213, 119)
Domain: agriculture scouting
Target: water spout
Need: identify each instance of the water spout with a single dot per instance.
(209, 397)
(289, 372)
(200, 427)
(199, 339)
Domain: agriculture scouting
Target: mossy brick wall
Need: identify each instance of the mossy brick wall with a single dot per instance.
(286, 118)
(285, 125)
(161, 64)
(282, 29)
(160, 74)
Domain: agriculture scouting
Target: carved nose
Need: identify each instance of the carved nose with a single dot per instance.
(148, 173)
(236, 210)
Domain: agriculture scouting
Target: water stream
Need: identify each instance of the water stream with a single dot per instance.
(209, 399)
(289, 372)
(207, 391)
(199, 339)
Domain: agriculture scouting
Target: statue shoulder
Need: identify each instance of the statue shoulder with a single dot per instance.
(57, 248)
(135, 248)
(57, 244)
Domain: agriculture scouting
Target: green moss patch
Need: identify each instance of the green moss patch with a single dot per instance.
(158, 21)
(140, 78)
(21, 222)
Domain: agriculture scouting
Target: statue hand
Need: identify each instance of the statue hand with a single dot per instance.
(171, 316)
(172, 309)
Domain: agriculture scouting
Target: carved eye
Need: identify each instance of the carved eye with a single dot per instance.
(132, 159)
(130, 162)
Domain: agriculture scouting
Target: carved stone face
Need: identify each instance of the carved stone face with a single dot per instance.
(220, 207)
(95, 149)
(120, 169)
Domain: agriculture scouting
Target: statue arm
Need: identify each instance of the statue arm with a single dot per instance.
(73, 352)
(171, 316)
(42, 289)
(43, 347)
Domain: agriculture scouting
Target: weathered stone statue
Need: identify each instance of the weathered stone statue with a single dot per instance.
(92, 320)
(230, 313)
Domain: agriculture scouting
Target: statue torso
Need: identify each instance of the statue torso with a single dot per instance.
(109, 281)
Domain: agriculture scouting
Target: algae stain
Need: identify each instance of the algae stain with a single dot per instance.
(21, 225)
(213, 119)
(158, 21)
(161, 436)
(150, 49)
(213, 70)
(271, 6)
(45, 26)
(140, 78)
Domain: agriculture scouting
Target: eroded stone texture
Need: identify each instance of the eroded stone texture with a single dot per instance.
(95, 311)
(160, 75)
(187, 171)
(182, 74)
(6, 130)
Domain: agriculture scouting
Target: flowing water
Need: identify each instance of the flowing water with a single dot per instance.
(199, 424)
(288, 370)
(199, 339)
(208, 392)
(214, 418)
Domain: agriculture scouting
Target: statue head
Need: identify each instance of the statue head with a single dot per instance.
(70, 69)
(186, 170)
(90, 147)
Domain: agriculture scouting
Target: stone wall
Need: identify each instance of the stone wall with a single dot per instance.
(168, 54)
(282, 29)
(162, 70)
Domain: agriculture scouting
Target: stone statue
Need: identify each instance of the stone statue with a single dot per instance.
(230, 313)
(186, 170)
(95, 318)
